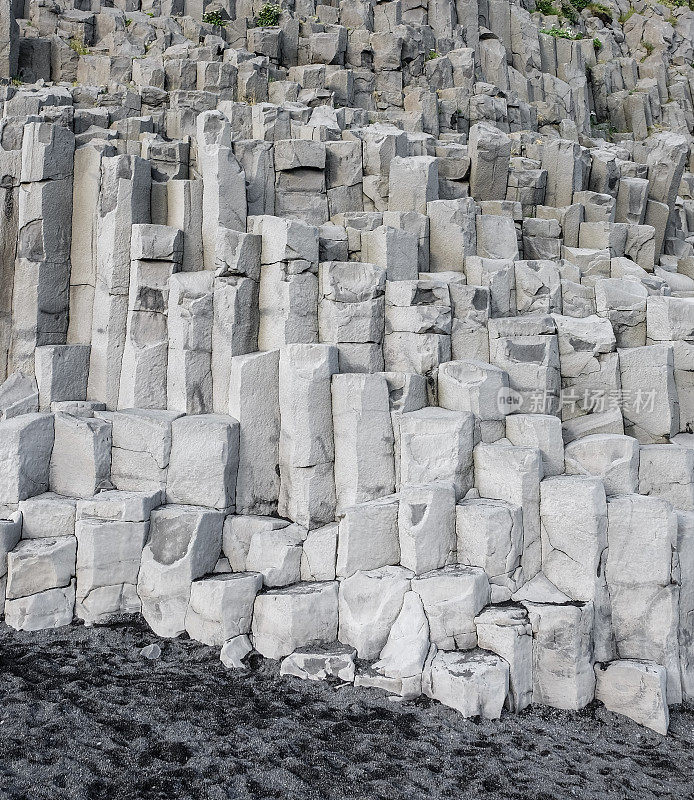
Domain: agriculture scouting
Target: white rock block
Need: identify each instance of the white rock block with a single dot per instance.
(288, 305)
(542, 431)
(108, 562)
(489, 535)
(120, 506)
(452, 598)
(650, 404)
(507, 632)
(404, 653)
(50, 609)
(47, 516)
(61, 373)
(513, 474)
(254, 402)
(141, 449)
(235, 322)
(319, 554)
(276, 555)
(490, 151)
(234, 651)
(286, 239)
(221, 607)
(369, 605)
(426, 526)
(667, 471)
(392, 249)
(25, 451)
(563, 674)
(573, 510)
(305, 373)
(189, 329)
(471, 385)
(10, 534)
(474, 683)
(238, 532)
(306, 448)
(237, 254)
(368, 537)
(184, 545)
(636, 689)
(204, 461)
(289, 618)
(436, 445)
(81, 457)
(413, 182)
(363, 436)
(642, 576)
(19, 394)
(223, 179)
(36, 565)
(611, 457)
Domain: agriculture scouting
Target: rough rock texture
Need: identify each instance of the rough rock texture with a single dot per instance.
(356, 325)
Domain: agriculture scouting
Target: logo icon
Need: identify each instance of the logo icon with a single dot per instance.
(508, 400)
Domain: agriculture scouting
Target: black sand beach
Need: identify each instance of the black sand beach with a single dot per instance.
(84, 717)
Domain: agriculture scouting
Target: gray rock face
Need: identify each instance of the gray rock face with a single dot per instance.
(636, 689)
(285, 619)
(221, 607)
(472, 683)
(184, 544)
(319, 338)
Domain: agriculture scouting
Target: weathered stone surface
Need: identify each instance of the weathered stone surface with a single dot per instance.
(370, 602)
(289, 618)
(184, 545)
(26, 443)
(563, 674)
(573, 513)
(81, 458)
(452, 598)
(436, 445)
(221, 607)
(320, 662)
(402, 658)
(234, 651)
(203, 461)
(474, 683)
(507, 632)
(641, 572)
(636, 689)
(490, 535)
(108, 563)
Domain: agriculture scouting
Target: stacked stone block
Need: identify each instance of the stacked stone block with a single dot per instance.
(363, 341)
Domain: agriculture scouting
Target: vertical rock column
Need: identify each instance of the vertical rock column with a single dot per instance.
(157, 251)
(9, 41)
(11, 134)
(83, 254)
(124, 201)
(224, 182)
(189, 323)
(306, 449)
(41, 281)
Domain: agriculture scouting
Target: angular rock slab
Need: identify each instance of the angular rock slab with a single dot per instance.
(184, 544)
(474, 683)
(636, 689)
(288, 618)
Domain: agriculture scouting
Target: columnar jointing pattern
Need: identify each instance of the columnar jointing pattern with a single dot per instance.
(364, 339)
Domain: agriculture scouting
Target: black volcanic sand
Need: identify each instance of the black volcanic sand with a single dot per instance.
(83, 715)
